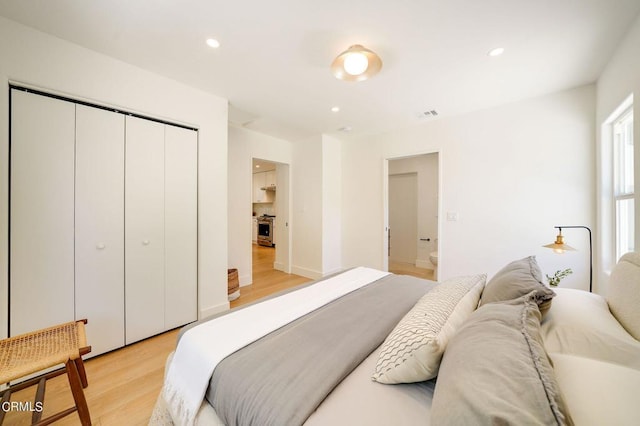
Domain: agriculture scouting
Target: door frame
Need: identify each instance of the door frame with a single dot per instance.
(384, 229)
(285, 261)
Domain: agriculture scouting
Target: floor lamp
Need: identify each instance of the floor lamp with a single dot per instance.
(560, 247)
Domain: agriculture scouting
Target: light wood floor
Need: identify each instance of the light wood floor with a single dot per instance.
(402, 268)
(124, 384)
(266, 280)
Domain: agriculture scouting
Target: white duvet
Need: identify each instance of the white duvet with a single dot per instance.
(201, 348)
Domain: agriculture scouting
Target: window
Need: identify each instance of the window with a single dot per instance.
(623, 178)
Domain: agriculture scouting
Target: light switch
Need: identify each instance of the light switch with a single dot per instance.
(452, 216)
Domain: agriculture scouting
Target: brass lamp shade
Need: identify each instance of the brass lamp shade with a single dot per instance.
(357, 63)
(559, 246)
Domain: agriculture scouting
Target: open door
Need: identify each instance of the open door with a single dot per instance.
(282, 234)
(411, 214)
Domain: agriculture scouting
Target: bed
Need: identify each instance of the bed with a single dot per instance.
(371, 348)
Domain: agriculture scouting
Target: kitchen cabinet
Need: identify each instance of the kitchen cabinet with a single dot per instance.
(270, 179)
(261, 180)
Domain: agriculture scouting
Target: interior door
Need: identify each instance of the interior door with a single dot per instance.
(283, 254)
(403, 217)
(99, 227)
(181, 226)
(144, 229)
(41, 212)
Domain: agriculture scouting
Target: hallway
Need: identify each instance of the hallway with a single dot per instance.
(266, 280)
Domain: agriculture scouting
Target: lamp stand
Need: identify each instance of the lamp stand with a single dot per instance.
(590, 253)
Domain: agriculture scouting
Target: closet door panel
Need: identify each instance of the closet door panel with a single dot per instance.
(41, 212)
(181, 228)
(99, 235)
(144, 228)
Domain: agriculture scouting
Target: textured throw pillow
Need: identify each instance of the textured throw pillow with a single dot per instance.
(515, 280)
(495, 371)
(624, 293)
(413, 350)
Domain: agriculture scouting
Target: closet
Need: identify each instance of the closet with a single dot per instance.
(103, 221)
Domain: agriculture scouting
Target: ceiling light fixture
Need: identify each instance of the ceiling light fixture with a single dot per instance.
(335, 109)
(496, 52)
(212, 42)
(357, 63)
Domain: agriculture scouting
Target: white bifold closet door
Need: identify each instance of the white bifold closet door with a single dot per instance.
(181, 226)
(41, 212)
(144, 229)
(160, 227)
(99, 229)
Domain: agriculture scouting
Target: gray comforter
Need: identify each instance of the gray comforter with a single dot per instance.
(282, 378)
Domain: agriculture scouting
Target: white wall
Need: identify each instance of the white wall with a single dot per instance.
(306, 221)
(331, 205)
(49, 63)
(426, 166)
(619, 79)
(511, 173)
(244, 145)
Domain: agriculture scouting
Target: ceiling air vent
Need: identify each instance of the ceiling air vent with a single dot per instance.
(428, 113)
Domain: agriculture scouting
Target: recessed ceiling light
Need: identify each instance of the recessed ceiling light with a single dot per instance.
(335, 109)
(345, 129)
(496, 52)
(257, 166)
(212, 42)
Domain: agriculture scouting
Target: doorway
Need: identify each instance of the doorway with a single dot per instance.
(411, 215)
(270, 207)
(403, 217)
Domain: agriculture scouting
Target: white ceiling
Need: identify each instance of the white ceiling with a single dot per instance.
(273, 63)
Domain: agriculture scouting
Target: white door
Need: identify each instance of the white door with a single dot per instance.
(99, 226)
(403, 217)
(41, 212)
(283, 254)
(144, 229)
(181, 227)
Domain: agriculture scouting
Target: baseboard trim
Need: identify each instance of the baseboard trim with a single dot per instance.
(245, 280)
(309, 273)
(279, 266)
(335, 271)
(216, 309)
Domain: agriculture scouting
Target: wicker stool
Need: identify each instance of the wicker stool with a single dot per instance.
(29, 353)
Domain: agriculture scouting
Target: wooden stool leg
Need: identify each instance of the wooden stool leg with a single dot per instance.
(82, 372)
(78, 394)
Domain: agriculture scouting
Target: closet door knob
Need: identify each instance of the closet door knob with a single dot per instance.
(100, 246)
(146, 242)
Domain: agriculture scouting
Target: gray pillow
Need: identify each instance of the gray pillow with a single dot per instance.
(518, 279)
(495, 371)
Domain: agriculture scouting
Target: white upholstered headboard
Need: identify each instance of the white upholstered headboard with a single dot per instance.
(624, 293)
